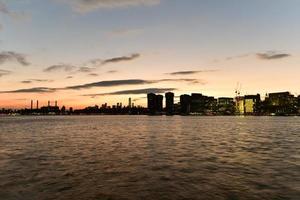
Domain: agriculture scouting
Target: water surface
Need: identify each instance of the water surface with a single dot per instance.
(144, 157)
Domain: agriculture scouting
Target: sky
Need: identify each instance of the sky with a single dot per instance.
(87, 52)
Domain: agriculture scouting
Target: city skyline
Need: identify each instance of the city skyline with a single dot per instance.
(92, 52)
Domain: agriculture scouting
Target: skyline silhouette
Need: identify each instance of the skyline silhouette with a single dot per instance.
(273, 104)
(86, 51)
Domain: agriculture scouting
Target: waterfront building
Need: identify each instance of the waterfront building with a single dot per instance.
(280, 103)
(185, 104)
(169, 103)
(197, 103)
(252, 104)
(240, 105)
(159, 103)
(226, 106)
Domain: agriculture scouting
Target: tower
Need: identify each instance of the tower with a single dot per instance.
(129, 102)
(169, 103)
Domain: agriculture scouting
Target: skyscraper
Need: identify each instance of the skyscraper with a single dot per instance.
(129, 103)
(151, 99)
(185, 104)
(159, 103)
(169, 103)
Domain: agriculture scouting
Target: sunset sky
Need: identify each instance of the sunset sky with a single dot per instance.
(87, 52)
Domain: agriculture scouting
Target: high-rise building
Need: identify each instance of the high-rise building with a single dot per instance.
(169, 103)
(252, 104)
(281, 103)
(185, 104)
(226, 106)
(197, 103)
(159, 103)
(129, 103)
(151, 101)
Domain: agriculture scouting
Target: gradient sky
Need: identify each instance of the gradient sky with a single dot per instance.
(87, 52)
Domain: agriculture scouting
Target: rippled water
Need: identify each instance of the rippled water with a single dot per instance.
(143, 157)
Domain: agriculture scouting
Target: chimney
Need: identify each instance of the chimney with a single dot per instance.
(48, 103)
(31, 105)
(55, 103)
(37, 104)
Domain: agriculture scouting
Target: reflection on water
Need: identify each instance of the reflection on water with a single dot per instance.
(142, 157)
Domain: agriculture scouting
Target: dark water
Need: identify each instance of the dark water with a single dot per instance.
(141, 157)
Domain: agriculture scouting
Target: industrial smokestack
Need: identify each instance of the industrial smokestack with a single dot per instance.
(37, 104)
(55, 103)
(31, 105)
(48, 103)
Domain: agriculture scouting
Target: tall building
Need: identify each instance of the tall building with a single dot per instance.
(129, 102)
(226, 106)
(198, 103)
(240, 105)
(185, 104)
(151, 101)
(169, 103)
(252, 104)
(281, 103)
(159, 103)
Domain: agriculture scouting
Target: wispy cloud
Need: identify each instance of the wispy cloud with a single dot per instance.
(110, 83)
(36, 80)
(100, 62)
(4, 72)
(83, 6)
(32, 90)
(190, 72)
(94, 74)
(238, 56)
(113, 83)
(112, 71)
(134, 92)
(14, 15)
(60, 67)
(270, 55)
(11, 56)
(69, 77)
(86, 69)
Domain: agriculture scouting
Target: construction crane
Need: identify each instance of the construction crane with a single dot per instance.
(238, 97)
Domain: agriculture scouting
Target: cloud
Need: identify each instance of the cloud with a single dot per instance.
(15, 15)
(4, 72)
(60, 67)
(189, 80)
(113, 83)
(93, 74)
(190, 72)
(86, 69)
(112, 71)
(69, 77)
(238, 57)
(36, 80)
(270, 55)
(100, 62)
(10, 56)
(109, 84)
(32, 90)
(84, 6)
(134, 92)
